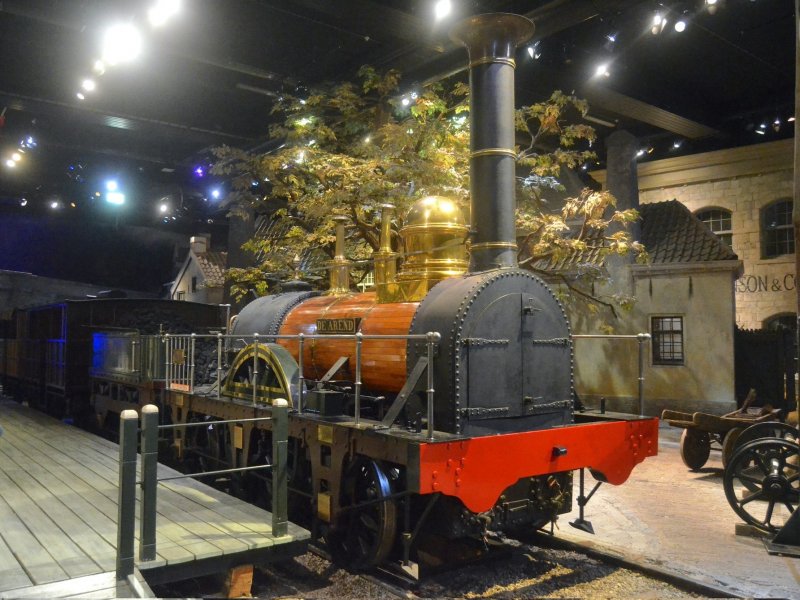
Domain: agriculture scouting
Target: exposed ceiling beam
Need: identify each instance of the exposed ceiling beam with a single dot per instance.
(625, 106)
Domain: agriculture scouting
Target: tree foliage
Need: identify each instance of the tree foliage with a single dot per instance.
(352, 147)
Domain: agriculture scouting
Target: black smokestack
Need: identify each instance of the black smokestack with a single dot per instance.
(491, 42)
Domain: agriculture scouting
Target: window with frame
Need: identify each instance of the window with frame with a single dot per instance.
(667, 339)
(777, 234)
(718, 221)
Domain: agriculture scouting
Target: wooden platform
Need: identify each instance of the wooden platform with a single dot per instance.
(58, 512)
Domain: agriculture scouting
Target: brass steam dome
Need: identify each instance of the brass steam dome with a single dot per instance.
(434, 236)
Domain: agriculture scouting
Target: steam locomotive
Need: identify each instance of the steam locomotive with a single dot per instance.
(438, 407)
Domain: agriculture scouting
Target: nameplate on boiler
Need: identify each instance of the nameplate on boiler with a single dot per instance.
(340, 326)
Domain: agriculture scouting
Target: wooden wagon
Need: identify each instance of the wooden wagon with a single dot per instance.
(702, 431)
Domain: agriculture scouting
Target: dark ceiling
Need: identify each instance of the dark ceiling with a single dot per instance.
(209, 77)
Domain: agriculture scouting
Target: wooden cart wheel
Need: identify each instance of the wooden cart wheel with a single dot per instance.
(729, 444)
(695, 448)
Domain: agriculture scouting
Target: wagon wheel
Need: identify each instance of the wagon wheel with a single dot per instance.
(768, 471)
(729, 444)
(366, 532)
(767, 429)
(695, 448)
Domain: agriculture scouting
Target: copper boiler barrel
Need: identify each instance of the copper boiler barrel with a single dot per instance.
(383, 362)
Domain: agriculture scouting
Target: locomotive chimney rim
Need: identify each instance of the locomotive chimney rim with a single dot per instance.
(491, 41)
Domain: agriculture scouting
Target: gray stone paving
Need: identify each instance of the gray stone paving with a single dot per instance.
(680, 521)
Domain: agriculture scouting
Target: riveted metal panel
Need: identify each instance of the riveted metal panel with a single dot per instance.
(478, 316)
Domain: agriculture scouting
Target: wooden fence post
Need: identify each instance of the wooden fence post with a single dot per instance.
(280, 436)
(149, 477)
(126, 513)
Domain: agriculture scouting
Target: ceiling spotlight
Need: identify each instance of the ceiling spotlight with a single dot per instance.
(72, 204)
(54, 204)
(677, 144)
(659, 23)
(405, 101)
(16, 157)
(534, 50)
(760, 132)
(790, 119)
(163, 11)
(602, 71)
(639, 153)
(199, 171)
(762, 126)
(115, 198)
(680, 25)
(89, 85)
(10, 163)
(23, 202)
(99, 67)
(122, 43)
(112, 185)
(80, 96)
(711, 6)
(163, 208)
(442, 8)
(215, 193)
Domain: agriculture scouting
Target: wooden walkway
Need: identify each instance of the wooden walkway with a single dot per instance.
(58, 513)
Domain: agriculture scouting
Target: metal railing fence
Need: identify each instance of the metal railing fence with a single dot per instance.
(642, 339)
(180, 361)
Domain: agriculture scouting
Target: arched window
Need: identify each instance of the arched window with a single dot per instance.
(777, 235)
(787, 321)
(718, 221)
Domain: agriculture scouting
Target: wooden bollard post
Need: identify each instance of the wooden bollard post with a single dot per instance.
(126, 513)
(149, 477)
(280, 436)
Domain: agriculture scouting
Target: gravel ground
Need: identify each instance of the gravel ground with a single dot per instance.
(524, 572)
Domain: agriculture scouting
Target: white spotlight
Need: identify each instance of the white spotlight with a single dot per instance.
(115, 198)
(23, 202)
(122, 43)
(163, 11)
(16, 157)
(80, 96)
(680, 26)
(711, 6)
(163, 208)
(442, 8)
(602, 71)
(112, 185)
(215, 193)
(54, 204)
(10, 163)
(89, 85)
(99, 67)
(406, 101)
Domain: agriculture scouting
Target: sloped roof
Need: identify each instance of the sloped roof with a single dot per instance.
(212, 265)
(672, 234)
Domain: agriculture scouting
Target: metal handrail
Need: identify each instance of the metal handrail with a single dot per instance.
(431, 339)
(641, 338)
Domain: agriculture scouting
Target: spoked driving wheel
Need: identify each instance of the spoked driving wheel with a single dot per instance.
(366, 532)
(762, 482)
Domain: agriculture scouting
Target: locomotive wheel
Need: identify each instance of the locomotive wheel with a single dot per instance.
(767, 429)
(366, 532)
(762, 482)
(729, 444)
(695, 448)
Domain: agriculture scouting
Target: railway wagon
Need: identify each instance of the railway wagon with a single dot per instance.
(47, 351)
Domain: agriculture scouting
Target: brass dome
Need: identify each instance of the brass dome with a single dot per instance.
(435, 210)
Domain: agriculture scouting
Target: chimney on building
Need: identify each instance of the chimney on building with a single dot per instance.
(198, 244)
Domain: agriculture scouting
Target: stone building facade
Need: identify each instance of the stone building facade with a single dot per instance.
(745, 195)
